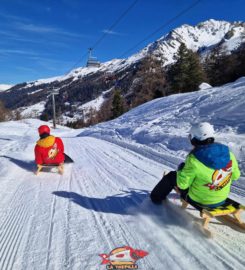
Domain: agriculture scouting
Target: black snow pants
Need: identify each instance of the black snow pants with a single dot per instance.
(164, 187)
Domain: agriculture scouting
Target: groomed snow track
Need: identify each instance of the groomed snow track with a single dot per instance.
(100, 203)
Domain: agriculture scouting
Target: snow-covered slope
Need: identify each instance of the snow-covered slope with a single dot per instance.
(163, 124)
(102, 201)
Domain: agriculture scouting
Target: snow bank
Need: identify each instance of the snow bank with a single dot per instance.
(204, 86)
(163, 124)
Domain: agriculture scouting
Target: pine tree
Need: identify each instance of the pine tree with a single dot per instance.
(196, 74)
(222, 68)
(178, 71)
(187, 73)
(213, 66)
(44, 116)
(117, 104)
(240, 69)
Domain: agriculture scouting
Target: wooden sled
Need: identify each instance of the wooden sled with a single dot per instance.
(229, 211)
(59, 166)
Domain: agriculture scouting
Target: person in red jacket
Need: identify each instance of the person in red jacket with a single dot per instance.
(49, 150)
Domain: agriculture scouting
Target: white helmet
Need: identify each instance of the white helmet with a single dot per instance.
(202, 131)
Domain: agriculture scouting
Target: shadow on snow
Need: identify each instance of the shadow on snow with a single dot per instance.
(116, 204)
(26, 165)
(132, 202)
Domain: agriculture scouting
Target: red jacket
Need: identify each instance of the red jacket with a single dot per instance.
(49, 150)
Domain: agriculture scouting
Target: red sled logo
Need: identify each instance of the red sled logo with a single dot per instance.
(123, 258)
(221, 177)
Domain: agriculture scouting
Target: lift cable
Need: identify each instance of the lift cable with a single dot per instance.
(115, 23)
(161, 27)
(104, 34)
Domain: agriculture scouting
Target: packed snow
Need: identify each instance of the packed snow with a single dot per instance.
(101, 202)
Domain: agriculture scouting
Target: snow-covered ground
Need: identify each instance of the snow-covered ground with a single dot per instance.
(33, 111)
(102, 200)
(86, 109)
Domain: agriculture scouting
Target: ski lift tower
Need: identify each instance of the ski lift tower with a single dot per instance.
(53, 93)
(92, 61)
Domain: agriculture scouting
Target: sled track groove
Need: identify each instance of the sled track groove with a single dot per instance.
(105, 169)
(101, 221)
(100, 169)
(51, 225)
(105, 225)
(167, 159)
(106, 176)
(108, 156)
(12, 248)
(67, 226)
(85, 189)
(237, 190)
(12, 231)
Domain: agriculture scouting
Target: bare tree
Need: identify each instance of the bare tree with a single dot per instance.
(5, 114)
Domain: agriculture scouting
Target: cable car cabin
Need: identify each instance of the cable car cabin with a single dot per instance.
(92, 62)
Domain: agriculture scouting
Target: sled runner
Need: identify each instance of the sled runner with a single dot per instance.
(230, 211)
(60, 167)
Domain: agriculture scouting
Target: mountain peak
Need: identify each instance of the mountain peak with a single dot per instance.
(204, 35)
(214, 22)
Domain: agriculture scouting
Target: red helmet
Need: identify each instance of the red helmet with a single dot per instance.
(43, 129)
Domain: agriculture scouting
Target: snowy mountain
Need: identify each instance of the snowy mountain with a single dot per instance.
(203, 37)
(82, 85)
(101, 202)
(4, 87)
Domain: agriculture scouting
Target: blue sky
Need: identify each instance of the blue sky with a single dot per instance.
(46, 38)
